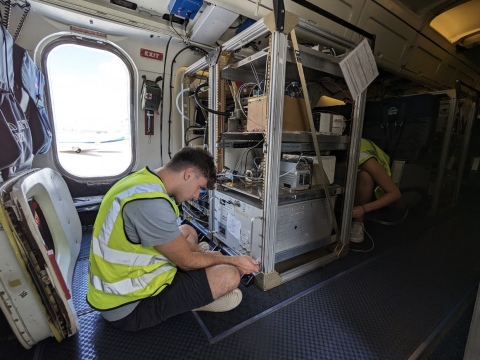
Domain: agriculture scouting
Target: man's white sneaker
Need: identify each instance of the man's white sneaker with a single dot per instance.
(225, 303)
(356, 234)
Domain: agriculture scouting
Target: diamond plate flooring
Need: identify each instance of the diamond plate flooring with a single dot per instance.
(382, 310)
(256, 301)
(452, 347)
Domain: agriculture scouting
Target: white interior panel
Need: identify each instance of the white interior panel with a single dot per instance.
(38, 27)
(426, 58)
(394, 37)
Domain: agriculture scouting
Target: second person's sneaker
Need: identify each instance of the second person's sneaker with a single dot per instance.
(356, 234)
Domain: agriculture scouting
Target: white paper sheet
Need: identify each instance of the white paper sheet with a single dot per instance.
(234, 226)
(359, 68)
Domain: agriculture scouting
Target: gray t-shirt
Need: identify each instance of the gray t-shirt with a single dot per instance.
(149, 222)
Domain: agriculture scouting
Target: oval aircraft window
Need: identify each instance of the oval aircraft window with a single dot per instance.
(90, 96)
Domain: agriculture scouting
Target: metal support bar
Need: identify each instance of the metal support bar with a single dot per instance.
(279, 13)
(277, 66)
(259, 29)
(445, 148)
(307, 27)
(473, 345)
(213, 80)
(468, 132)
(323, 177)
(352, 167)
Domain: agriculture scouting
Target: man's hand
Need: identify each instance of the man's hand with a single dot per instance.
(245, 264)
(358, 212)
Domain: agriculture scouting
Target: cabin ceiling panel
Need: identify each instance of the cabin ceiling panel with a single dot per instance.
(421, 7)
(426, 58)
(127, 19)
(458, 22)
(394, 37)
(152, 6)
(404, 13)
(348, 10)
(446, 74)
(465, 74)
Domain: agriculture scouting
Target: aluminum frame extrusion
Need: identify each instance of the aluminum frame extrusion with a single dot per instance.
(445, 149)
(468, 133)
(213, 77)
(259, 29)
(352, 167)
(277, 67)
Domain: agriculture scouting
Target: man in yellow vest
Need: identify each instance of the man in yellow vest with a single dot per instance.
(143, 267)
(373, 176)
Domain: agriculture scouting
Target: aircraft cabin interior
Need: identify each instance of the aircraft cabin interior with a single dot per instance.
(256, 179)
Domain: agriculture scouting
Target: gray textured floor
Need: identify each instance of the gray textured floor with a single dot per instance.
(382, 310)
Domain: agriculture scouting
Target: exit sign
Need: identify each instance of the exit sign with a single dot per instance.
(151, 54)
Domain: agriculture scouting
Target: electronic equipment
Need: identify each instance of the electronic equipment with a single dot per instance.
(246, 24)
(329, 123)
(328, 162)
(302, 226)
(184, 8)
(212, 24)
(295, 175)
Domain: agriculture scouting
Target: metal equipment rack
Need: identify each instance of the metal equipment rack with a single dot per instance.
(454, 95)
(279, 65)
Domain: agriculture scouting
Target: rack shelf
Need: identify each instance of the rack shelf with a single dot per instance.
(285, 196)
(316, 64)
(291, 141)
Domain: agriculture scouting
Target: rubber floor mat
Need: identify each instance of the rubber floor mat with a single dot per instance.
(381, 310)
(256, 301)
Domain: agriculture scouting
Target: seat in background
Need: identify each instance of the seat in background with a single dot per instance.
(36, 279)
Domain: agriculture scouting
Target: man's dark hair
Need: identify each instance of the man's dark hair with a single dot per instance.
(198, 159)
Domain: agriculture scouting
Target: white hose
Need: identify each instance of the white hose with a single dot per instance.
(178, 107)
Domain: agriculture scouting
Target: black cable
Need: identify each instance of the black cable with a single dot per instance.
(195, 138)
(205, 137)
(199, 102)
(163, 96)
(171, 88)
(171, 24)
(194, 49)
(191, 127)
(396, 222)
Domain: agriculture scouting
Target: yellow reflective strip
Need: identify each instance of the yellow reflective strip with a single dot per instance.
(122, 257)
(128, 285)
(111, 217)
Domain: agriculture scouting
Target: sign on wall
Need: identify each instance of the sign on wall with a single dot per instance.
(151, 54)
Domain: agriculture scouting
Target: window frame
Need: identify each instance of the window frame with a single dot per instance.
(100, 44)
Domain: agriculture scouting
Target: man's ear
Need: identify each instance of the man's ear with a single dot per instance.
(188, 174)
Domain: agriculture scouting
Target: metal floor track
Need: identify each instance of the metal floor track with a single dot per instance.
(382, 310)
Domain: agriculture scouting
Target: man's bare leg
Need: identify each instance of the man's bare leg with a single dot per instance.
(222, 279)
(363, 191)
(189, 233)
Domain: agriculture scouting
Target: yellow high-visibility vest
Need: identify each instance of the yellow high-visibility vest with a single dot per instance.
(369, 150)
(120, 271)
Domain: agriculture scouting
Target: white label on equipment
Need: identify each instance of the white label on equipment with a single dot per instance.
(245, 235)
(234, 226)
(359, 68)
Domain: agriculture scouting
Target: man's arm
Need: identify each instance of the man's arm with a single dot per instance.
(380, 176)
(178, 251)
